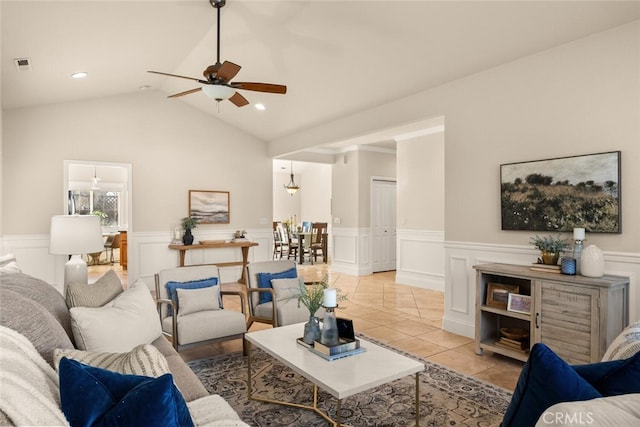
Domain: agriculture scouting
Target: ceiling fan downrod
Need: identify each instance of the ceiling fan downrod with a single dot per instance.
(218, 4)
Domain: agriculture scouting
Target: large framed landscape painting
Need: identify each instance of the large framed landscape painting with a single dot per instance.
(209, 207)
(563, 193)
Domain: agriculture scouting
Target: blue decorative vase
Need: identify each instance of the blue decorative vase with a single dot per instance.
(311, 330)
(568, 266)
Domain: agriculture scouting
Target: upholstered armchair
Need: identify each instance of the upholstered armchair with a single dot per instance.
(266, 304)
(190, 306)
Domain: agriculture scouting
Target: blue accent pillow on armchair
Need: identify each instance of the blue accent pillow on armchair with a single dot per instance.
(264, 281)
(194, 284)
(97, 397)
(545, 380)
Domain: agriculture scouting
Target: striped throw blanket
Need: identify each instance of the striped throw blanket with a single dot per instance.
(29, 394)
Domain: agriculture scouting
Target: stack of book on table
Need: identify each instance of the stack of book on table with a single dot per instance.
(346, 347)
(547, 268)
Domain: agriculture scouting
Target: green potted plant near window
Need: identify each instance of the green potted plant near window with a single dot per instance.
(188, 223)
(549, 247)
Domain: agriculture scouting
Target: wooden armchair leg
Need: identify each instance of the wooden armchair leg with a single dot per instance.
(245, 349)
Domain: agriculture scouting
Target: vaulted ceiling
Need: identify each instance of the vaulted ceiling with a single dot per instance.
(336, 57)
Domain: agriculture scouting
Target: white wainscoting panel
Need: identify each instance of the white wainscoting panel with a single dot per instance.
(460, 287)
(151, 253)
(420, 258)
(33, 258)
(351, 249)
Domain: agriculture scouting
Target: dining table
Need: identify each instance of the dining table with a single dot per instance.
(304, 241)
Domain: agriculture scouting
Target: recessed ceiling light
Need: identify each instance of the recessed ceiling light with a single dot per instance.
(80, 75)
(260, 107)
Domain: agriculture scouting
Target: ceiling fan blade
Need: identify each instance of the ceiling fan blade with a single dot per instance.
(227, 71)
(186, 92)
(176, 75)
(238, 100)
(260, 87)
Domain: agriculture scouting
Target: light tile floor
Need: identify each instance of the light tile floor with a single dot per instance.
(402, 316)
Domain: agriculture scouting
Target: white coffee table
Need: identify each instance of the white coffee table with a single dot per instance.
(342, 377)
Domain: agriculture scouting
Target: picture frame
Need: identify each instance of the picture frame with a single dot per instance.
(209, 207)
(519, 303)
(562, 193)
(498, 294)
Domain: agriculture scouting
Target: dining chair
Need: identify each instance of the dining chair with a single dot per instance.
(112, 242)
(290, 245)
(278, 245)
(319, 239)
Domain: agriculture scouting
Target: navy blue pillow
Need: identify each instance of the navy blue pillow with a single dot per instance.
(614, 377)
(264, 281)
(545, 380)
(97, 397)
(194, 284)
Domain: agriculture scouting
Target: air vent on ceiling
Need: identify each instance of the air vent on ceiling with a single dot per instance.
(22, 64)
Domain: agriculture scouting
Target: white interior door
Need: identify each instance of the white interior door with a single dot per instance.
(383, 225)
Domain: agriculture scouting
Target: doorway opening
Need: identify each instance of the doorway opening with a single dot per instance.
(103, 189)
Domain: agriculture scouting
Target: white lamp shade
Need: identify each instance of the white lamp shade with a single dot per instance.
(218, 92)
(75, 234)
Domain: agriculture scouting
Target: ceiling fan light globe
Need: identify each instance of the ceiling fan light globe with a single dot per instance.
(218, 92)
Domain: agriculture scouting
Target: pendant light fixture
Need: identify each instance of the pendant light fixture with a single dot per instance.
(95, 181)
(291, 187)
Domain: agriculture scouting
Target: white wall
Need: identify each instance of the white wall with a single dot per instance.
(577, 98)
(351, 193)
(172, 148)
(285, 205)
(312, 202)
(421, 221)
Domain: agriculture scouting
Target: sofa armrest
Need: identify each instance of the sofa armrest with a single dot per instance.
(611, 411)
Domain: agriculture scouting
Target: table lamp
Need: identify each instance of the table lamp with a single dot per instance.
(75, 235)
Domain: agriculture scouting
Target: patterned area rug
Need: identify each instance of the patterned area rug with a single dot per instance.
(447, 398)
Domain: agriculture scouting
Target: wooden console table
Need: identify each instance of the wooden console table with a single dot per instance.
(244, 245)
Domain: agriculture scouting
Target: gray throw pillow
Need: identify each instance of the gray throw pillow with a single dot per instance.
(42, 293)
(97, 294)
(34, 322)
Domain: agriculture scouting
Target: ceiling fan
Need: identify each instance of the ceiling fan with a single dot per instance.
(218, 77)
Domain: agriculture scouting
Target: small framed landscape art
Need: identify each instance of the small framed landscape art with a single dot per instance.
(209, 207)
(519, 303)
(498, 294)
(561, 194)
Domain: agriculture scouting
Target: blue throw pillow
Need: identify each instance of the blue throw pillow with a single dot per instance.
(614, 377)
(97, 397)
(545, 380)
(264, 281)
(194, 284)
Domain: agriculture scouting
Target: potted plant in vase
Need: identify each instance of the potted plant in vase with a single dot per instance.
(188, 223)
(549, 247)
(312, 297)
